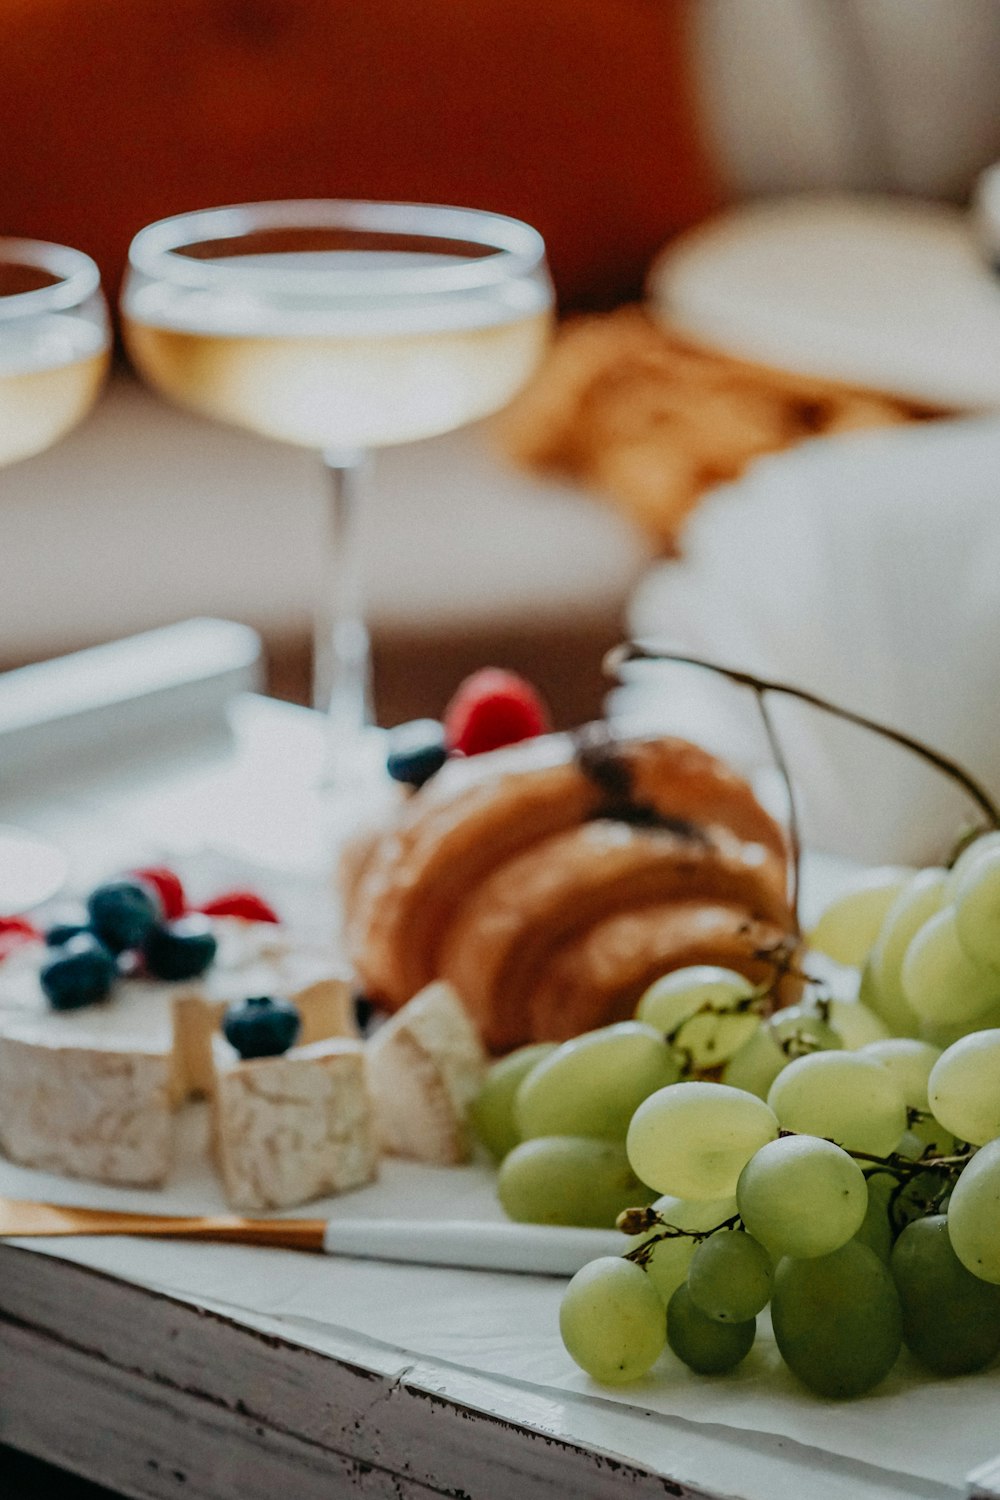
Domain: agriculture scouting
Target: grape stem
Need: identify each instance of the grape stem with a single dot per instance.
(636, 651)
(794, 835)
(639, 1220)
(903, 1166)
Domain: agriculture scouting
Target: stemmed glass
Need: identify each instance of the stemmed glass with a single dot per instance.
(343, 327)
(54, 353)
(53, 344)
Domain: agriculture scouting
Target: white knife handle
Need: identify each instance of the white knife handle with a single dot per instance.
(534, 1249)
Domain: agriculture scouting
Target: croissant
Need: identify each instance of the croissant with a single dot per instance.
(597, 977)
(551, 882)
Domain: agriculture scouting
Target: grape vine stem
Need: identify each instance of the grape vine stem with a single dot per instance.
(636, 651)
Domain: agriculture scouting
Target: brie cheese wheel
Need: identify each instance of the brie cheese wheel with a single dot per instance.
(176, 1019)
(89, 1092)
(292, 1128)
(426, 1064)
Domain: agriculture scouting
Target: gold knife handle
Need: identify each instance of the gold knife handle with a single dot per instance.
(25, 1220)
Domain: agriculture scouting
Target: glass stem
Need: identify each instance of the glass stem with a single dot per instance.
(342, 665)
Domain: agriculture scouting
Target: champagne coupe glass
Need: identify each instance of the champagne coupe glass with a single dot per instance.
(343, 327)
(54, 354)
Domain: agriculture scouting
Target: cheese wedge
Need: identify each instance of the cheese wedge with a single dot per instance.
(426, 1064)
(292, 1128)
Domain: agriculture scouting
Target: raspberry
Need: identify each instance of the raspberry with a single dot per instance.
(167, 886)
(245, 904)
(493, 708)
(14, 931)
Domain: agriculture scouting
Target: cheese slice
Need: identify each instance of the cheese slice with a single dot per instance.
(426, 1064)
(68, 1105)
(292, 1128)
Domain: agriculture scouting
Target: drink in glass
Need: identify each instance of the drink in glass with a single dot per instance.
(53, 344)
(54, 354)
(342, 327)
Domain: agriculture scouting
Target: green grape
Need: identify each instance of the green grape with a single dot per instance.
(492, 1110)
(730, 1277)
(593, 1084)
(667, 1260)
(567, 1179)
(977, 908)
(940, 982)
(944, 1035)
(985, 844)
(801, 1196)
(928, 1137)
(757, 1064)
(916, 1197)
(909, 1061)
(612, 1321)
(804, 1028)
(697, 1008)
(843, 1096)
(837, 1320)
(793, 1032)
(876, 1227)
(951, 1319)
(920, 898)
(854, 1023)
(964, 1088)
(694, 1139)
(867, 988)
(849, 926)
(974, 1215)
(704, 1344)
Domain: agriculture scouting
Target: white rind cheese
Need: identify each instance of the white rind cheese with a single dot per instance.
(426, 1065)
(256, 958)
(86, 1111)
(292, 1128)
(119, 1066)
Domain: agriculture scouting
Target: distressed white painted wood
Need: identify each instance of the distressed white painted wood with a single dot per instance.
(148, 1394)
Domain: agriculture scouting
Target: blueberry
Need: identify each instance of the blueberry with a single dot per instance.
(81, 973)
(61, 932)
(122, 913)
(262, 1026)
(416, 751)
(182, 949)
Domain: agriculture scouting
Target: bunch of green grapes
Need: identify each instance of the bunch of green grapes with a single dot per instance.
(556, 1117)
(720, 1024)
(845, 1170)
(928, 944)
(805, 1202)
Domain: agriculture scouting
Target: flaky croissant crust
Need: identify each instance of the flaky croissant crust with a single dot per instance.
(549, 883)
